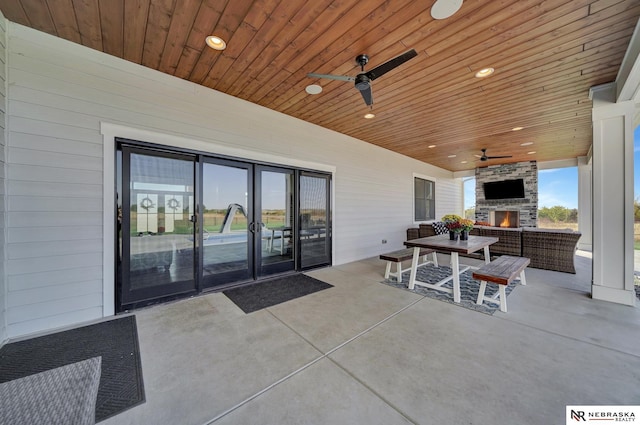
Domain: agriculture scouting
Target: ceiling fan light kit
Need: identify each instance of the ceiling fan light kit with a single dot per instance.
(362, 81)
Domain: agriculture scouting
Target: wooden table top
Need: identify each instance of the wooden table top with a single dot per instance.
(442, 243)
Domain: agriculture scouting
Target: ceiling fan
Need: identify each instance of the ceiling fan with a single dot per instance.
(484, 156)
(363, 80)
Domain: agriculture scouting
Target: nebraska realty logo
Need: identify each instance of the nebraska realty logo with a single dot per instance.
(579, 414)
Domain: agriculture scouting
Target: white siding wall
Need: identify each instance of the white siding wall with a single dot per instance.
(3, 109)
(60, 97)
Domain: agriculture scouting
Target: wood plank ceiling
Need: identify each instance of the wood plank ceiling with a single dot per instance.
(547, 54)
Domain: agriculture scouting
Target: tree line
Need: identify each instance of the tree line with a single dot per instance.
(557, 214)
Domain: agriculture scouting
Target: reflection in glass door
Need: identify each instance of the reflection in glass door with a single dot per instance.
(315, 219)
(226, 205)
(275, 223)
(158, 206)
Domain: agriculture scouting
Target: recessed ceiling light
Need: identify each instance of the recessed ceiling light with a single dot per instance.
(431, 146)
(216, 42)
(442, 9)
(463, 162)
(313, 89)
(517, 128)
(369, 116)
(451, 156)
(485, 72)
(526, 144)
(531, 153)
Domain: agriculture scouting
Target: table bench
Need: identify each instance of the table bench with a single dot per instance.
(403, 255)
(502, 271)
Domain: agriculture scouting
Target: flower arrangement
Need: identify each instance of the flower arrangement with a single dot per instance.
(457, 224)
(466, 224)
(452, 222)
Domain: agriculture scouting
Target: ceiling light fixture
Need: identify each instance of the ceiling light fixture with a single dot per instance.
(442, 9)
(531, 153)
(369, 116)
(451, 156)
(216, 42)
(313, 89)
(526, 144)
(431, 146)
(517, 128)
(463, 162)
(485, 72)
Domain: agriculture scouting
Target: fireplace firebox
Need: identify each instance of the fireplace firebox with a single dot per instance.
(505, 218)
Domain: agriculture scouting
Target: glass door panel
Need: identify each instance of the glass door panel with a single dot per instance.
(226, 240)
(315, 220)
(158, 237)
(275, 203)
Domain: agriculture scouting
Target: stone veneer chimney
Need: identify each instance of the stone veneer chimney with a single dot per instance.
(527, 206)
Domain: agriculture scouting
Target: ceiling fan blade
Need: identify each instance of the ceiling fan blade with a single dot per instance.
(331, 77)
(380, 70)
(498, 157)
(367, 95)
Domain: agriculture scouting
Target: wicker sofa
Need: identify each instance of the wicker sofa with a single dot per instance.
(546, 248)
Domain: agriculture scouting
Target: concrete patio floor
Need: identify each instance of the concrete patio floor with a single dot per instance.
(366, 353)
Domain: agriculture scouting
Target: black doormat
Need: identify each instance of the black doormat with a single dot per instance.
(121, 386)
(268, 293)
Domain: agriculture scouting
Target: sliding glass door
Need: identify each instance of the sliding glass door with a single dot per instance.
(315, 219)
(227, 207)
(275, 220)
(190, 222)
(157, 226)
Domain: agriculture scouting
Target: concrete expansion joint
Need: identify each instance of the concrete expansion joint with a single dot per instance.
(316, 360)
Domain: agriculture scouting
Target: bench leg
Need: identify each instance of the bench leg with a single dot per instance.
(483, 286)
(387, 270)
(523, 281)
(414, 267)
(435, 259)
(503, 298)
(399, 272)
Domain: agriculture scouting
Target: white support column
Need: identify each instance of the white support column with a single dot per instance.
(612, 197)
(584, 204)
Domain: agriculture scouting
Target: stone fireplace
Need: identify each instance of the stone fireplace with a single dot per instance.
(509, 218)
(523, 211)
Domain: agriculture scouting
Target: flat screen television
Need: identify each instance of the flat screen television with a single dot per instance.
(504, 189)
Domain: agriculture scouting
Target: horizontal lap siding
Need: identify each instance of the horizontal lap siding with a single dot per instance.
(59, 95)
(3, 217)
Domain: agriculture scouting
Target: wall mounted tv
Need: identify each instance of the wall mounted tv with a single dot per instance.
(504, 189)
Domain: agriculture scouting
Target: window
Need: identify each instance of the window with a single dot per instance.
(424, 199)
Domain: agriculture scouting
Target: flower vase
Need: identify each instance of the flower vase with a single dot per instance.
(464, 235)
(453, 235)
